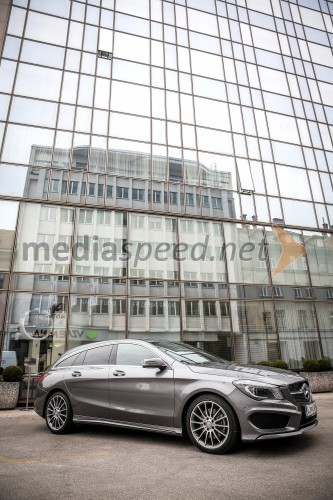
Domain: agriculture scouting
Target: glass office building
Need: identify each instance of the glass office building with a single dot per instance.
(166, 172)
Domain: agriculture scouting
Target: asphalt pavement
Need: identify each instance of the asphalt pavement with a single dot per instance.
(96, 462)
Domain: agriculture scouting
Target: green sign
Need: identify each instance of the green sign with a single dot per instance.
(91, 334)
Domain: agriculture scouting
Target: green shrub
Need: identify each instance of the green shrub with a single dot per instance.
(12, 374)
(1, 370)
(311, 365)
(325, 364)
(264, 363)
(279, 363)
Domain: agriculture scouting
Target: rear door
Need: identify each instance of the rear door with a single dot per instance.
(137, 394)
(87, 381)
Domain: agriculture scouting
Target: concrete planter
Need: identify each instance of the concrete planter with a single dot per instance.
(9, 392)
(319, 381)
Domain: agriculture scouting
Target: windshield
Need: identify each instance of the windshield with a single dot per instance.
(188, 354)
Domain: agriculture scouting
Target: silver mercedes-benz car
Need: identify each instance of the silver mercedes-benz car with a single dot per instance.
(173, 388)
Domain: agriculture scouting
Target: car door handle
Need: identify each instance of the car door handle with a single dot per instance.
(76, 374)
(119, 373)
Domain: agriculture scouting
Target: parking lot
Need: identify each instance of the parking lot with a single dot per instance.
(108, 463)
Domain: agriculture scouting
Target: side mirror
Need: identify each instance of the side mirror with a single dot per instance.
(154, 363)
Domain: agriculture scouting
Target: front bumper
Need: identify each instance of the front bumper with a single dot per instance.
(270, 419)
(288, 434)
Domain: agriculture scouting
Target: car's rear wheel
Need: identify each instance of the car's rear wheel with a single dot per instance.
(59, 414)
(212, 424)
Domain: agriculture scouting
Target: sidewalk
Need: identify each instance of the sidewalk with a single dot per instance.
(18, 412)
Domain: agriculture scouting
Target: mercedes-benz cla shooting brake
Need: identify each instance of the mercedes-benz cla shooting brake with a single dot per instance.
(173, 388)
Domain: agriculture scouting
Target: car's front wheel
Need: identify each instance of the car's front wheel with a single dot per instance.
(212, 424)
(58, 413)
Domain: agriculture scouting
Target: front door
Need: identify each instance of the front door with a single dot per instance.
(137, 394)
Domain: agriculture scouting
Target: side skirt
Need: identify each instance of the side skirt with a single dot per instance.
(129, 425)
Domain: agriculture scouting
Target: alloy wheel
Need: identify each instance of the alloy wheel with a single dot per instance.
(212, 424)
(209, 424)
(58, 413)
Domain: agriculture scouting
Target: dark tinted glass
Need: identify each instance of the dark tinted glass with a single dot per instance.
(80, 359)
(131, 354)
(68, 361)
(98, 355)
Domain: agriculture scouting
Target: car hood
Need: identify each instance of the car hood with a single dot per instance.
(248, 372)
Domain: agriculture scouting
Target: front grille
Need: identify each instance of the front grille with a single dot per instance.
(269, 420)
(299, 391)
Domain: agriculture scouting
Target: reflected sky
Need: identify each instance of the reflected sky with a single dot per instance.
(8, 211)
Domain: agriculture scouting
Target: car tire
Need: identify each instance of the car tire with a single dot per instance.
(212, 425)
(59, 413)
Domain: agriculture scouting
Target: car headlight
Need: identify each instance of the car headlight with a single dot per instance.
(258, 390)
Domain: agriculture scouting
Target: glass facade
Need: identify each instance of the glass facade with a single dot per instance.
(166, 172)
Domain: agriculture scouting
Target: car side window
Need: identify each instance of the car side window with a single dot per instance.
(98, 355)
(80, 359)
(132, 354)
(68, 361)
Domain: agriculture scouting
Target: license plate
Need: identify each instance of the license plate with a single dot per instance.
(310, 410)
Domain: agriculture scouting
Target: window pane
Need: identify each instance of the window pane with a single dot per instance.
(98, 355)
(33, 112)
(130, 98)
(132, 355)
(35, 81)
(46, 28)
